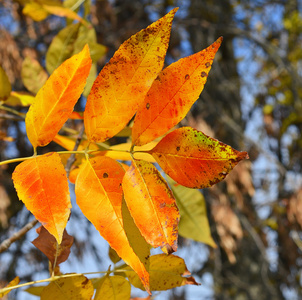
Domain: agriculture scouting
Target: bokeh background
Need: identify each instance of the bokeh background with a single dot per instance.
(252, 101)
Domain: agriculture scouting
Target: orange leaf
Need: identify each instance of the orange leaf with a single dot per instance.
(125, 80)
(46, 243)
(172, 94)
(152, 205)
(55, 101)
(194, 159)
(42, 185)
(99, 195)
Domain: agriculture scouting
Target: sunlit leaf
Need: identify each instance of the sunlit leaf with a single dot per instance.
(35, 290)
(76, 287)
(33, 75)
(47, 244)
(5, 86)
(35, 11)
(55, 101)
(172, 94)
(64, 12)
(42, 185)
(152, 205)
(194, 159)
(124, 81)
(113, 288)
(14, 282)
(99, 195)
(193, 222)
(20, 99)
(166, 272)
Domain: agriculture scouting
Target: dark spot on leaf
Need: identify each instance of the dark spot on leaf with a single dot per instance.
(208, 65)
(148, 105)
(105, 175)
(203, 74)
(177, 148)
(187, 76)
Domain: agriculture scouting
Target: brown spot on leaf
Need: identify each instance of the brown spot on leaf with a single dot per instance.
(177, 148)
(105, 175)
(148, 105)
(203, 74)
(187, 76)
(208, 65)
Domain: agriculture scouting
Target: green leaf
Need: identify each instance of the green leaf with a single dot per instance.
(193, 222)
(61, 47)
(33, 75)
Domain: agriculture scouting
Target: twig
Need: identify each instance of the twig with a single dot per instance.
(17, 235)
(71, 159)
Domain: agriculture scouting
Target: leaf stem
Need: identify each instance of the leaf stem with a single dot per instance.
(54, 278)
(9, 161)
(13, 111)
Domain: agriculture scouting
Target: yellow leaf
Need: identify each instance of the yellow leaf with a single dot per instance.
(113, 288)
(125, 80)
(64, 12)
(166, 272)
(14, 282)
(20, 99)
(42, 185)
(193, 222)
(71, 288)
(35, 11)
(55, 101)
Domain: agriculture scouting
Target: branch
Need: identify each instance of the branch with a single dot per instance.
(17, 235)
(71, 159)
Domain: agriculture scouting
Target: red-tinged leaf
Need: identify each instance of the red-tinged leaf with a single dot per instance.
(42, 185)
(172, 94)
(12, 283)
(75, 287)
(194, 159)
(99, 195)
(113, 288)
(55, 101)
(166, 272)
(46, 243)
(152, 205)
(125, 80)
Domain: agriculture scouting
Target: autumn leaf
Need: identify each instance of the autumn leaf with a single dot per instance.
(113, 288)
(14, 282)
(152, 205)
(33, 75)
(42, 185)
(193, 222)
(99, 195)
(166, 272)
(47, 244)
(20, 99)
(194, 159)
(172, 94)
(76, 287)
(5, 86)
(125, 80)
(55, 101)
